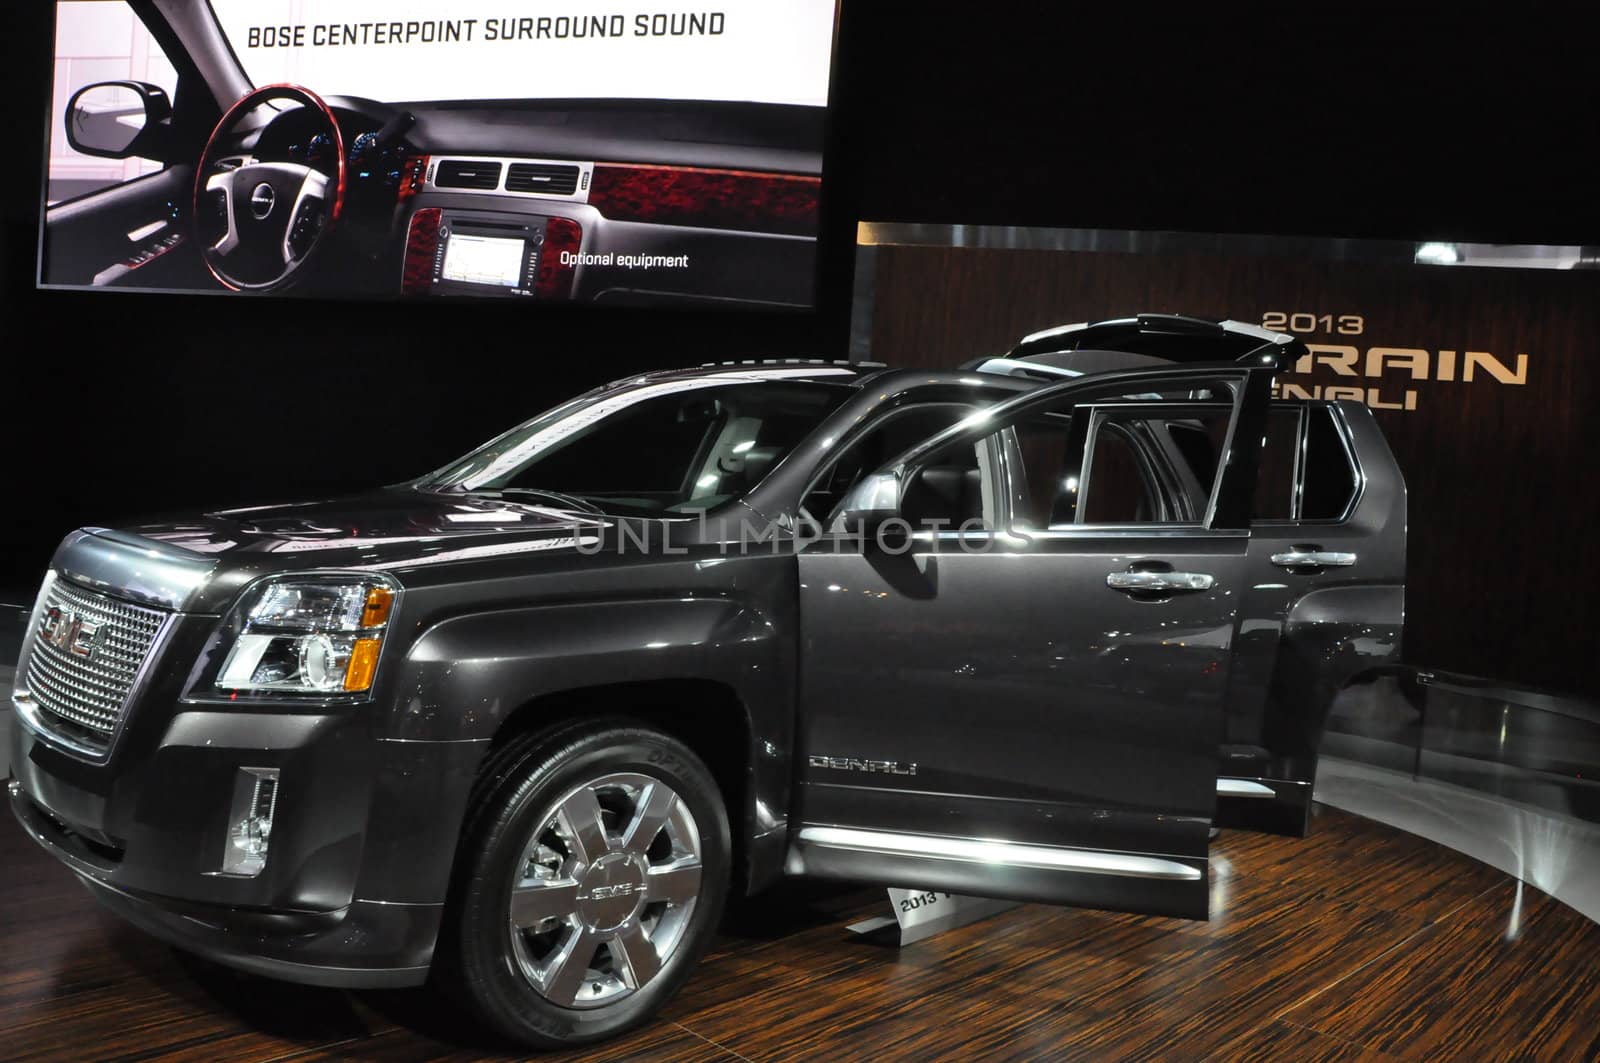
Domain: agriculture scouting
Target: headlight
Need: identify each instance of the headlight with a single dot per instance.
(312, 635)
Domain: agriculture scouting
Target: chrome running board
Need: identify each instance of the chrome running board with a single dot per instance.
(1000, 853)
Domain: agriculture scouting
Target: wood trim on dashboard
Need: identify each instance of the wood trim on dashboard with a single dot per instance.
(422, 241)
(712, 199)
(555, 280)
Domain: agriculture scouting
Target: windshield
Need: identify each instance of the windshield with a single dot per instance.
(650, 447)
(759, 51)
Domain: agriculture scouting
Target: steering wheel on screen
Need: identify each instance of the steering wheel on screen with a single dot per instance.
(277, 214)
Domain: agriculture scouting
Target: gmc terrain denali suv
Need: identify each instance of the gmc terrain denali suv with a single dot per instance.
(1025, 629)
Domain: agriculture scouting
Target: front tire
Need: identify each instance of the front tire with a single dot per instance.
(592, 873)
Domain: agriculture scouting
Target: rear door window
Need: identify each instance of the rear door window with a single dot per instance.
(1305, 470)
(1116, 487)
(1277, 482)
(1119, 464)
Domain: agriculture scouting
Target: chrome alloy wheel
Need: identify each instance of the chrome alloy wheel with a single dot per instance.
(604, 889)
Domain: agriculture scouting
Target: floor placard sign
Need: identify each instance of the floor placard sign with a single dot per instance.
(920, 914)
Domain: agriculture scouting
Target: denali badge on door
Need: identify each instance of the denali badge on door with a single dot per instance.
(889, 767)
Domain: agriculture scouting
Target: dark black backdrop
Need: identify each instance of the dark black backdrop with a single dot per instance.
(1360, 121)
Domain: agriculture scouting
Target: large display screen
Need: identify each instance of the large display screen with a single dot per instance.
(668, 153)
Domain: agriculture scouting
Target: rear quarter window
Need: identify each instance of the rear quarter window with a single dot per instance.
(1329, 484)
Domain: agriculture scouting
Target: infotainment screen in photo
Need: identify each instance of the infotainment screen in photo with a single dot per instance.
(667, 153)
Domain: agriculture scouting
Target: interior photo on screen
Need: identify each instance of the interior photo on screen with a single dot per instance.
(665, 154)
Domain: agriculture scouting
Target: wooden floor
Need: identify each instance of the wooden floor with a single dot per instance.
(1359, 943)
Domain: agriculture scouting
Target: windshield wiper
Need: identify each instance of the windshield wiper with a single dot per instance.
(569, 501)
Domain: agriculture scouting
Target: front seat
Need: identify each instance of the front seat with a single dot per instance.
(758, 461)
(950, 494)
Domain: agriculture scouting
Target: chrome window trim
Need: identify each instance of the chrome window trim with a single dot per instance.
(1186, 529)
(1022, 537)
(990, 484)
(1297, 490)
(1225, 459)
(1000, 853)
(1014, 475)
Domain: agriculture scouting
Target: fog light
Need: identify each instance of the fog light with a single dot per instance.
(255, 793)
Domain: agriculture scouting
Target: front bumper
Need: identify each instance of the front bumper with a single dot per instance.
(366, 944)
(352, 891)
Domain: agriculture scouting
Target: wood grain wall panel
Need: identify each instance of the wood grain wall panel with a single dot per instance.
(1501, 498)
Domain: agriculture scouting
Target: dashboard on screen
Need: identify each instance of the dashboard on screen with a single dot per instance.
(664, 154)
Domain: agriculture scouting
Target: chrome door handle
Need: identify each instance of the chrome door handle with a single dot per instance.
(1301, 557)
(1160, 582)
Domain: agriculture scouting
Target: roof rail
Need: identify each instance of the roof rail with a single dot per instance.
(797, 361)
(1017, 367)
(1171, 337)
(1064, 365)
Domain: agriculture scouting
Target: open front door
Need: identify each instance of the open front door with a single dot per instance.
(1031, 707)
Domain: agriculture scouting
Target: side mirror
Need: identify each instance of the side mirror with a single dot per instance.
(871, 504)
(118, 119)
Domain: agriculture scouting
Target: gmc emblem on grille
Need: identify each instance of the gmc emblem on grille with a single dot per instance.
(66, 630)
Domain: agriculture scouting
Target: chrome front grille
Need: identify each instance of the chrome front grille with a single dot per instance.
(85, 654)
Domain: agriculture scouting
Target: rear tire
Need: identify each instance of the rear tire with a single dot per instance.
(591, 876)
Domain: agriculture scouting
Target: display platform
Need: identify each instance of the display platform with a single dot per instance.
(1360, 942)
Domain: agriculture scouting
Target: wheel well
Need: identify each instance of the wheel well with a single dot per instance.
(704, 715)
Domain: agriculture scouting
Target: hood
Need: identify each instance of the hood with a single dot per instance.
(198, 564)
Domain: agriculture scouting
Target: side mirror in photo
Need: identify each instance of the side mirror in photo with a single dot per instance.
(110, 118)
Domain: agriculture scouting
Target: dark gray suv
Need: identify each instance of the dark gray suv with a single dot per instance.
(1026, 629)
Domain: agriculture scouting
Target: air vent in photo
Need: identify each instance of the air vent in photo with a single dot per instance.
(467, 173)
(552, 179)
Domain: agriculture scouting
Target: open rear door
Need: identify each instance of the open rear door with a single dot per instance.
(1325, 604)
